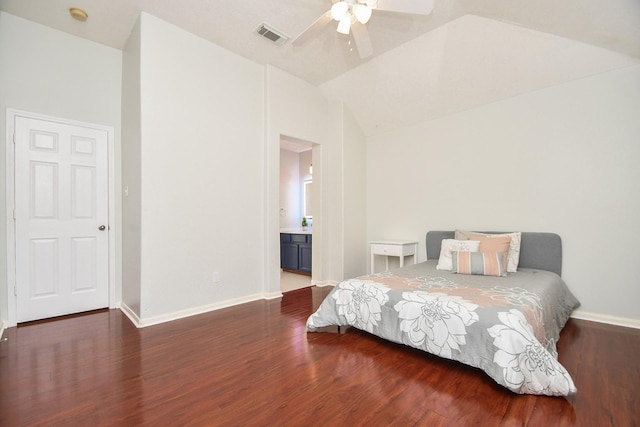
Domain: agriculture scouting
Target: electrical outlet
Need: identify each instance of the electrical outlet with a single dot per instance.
(215, 277)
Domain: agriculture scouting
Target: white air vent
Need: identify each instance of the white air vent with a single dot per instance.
(272, 34)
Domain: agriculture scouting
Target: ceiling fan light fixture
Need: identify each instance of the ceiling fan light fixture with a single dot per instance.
(344, 25)
(362, 13)
(339, 10)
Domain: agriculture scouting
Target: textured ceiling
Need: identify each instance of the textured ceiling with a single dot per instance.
(466, 53)
(452, 69)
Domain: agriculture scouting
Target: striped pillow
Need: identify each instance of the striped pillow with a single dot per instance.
(481, 263)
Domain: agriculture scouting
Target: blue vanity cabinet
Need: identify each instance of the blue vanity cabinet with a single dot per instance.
(304, 256)
(295, 252)
(288, 253)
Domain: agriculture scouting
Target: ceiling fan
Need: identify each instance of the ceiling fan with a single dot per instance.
(352, 15)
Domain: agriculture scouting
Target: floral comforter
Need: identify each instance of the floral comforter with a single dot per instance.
(506, 326)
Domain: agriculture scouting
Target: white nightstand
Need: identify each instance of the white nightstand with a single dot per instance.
(393, 248)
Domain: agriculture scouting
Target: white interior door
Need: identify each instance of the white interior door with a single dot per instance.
(61, 218)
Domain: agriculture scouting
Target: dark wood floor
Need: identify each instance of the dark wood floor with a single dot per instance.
(255, 364)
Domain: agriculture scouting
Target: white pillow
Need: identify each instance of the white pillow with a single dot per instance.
(513, 258)
(445, 262)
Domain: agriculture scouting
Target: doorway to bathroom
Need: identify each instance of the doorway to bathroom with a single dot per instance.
(296, 213)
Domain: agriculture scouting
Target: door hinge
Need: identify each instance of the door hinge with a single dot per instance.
(14, 138)
(15, 290)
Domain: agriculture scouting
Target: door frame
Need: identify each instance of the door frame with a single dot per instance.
(10, 203)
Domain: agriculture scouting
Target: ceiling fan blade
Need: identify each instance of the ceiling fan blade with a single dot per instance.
(418, 7)
(312, 30)
(361, 38)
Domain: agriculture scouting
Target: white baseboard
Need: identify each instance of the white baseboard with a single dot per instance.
(130, 314)
(604, 318)
(3, 326)
(273, 295)
(155, 320)
(141, 323)
(321, 284)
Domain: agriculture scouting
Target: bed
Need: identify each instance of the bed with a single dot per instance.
(507, 325)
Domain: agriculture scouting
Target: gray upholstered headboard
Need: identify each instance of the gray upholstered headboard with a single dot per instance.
(537, 250)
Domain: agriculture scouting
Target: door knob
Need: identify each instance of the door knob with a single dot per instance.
(101, 228)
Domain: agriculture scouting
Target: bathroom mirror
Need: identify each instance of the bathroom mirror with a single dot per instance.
(307, 197)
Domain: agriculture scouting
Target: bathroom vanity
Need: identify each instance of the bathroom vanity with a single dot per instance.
(295, 251)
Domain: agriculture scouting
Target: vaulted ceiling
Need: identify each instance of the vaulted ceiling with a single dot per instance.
(464, 54)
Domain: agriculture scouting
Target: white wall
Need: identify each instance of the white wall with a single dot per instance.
(131, 171)
(562, 159)
(354, 154)
(49, 72)
(346, 205)
(201, 171)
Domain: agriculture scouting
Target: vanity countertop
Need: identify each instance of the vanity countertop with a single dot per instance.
(295, 231)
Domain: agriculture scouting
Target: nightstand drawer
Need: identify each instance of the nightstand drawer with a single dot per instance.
(382, 249)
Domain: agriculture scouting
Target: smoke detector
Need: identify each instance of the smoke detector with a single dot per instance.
(78, 14)
(272, 34)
